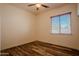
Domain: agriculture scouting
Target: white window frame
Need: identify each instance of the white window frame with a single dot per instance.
(60, 24)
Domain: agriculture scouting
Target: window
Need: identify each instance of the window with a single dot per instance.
(61, 24)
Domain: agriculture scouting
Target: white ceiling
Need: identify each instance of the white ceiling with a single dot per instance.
(33, 8)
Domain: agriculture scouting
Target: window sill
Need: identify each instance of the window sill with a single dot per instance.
(61, 33)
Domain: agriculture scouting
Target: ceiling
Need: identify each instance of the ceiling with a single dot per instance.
(33, 8)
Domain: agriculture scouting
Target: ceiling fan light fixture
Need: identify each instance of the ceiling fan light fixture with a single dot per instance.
(38, 5)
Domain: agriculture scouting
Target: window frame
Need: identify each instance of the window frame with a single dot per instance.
(60, 24)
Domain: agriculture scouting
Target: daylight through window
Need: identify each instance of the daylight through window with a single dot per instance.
(61, 24)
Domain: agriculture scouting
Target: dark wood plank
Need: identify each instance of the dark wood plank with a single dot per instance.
(38, 48)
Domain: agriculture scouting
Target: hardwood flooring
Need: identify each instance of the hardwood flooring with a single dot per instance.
(38, 48)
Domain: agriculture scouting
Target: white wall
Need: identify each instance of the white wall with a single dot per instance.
(0, 26)
(44, 27)
(18, 26)
(0, 32)
(78, 9)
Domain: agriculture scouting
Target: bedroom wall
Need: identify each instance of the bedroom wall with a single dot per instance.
(18, 26)
(78, 9)
(0, 32)
(44, 27)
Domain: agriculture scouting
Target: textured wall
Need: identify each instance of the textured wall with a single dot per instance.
(18, 26)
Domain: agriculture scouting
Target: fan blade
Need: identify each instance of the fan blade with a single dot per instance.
(31, 4)
(45, 6)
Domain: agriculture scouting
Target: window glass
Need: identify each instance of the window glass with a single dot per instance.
(61, 24)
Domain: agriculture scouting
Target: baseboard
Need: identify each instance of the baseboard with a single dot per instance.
(58, 45)
(16, 45)
(47, 43)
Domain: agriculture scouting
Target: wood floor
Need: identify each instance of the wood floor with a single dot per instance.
(38, 48)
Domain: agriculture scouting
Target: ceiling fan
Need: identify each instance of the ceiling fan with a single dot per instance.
(38, 6)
